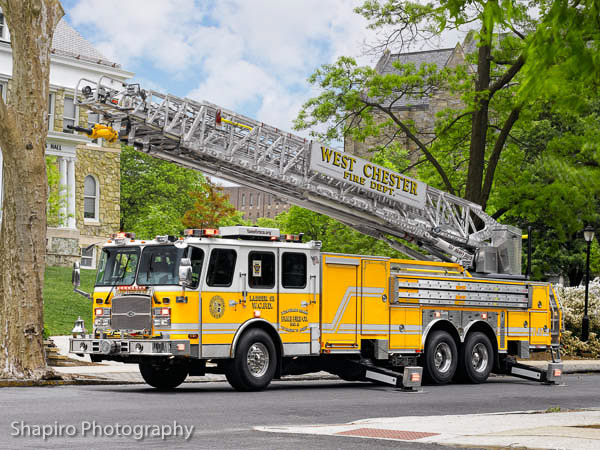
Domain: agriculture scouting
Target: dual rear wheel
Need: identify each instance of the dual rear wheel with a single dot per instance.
(444, 360)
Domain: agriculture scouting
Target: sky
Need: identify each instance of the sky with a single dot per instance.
(253, 57)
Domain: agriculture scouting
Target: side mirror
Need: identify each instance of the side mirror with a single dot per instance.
(76, 275)
(185, 272)
(76, 280)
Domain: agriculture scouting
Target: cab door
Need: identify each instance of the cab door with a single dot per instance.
(299, 302)
(221, 304)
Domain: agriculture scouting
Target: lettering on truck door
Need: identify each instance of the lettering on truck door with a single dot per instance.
(298, 303)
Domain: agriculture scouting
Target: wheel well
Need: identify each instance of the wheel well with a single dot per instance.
(267, 328)
(443, 325)
(485, 328)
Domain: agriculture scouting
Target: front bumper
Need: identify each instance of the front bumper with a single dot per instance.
(89, 345)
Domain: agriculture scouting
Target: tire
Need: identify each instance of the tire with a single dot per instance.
(254, 364)
(162, 375)
(476, 358)
(441, 358)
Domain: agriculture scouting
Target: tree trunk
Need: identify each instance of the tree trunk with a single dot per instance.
(479, 125)
(23, 131)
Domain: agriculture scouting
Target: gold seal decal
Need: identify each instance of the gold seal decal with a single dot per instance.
(216, 307)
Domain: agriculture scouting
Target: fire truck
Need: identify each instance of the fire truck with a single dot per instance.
(255, 304)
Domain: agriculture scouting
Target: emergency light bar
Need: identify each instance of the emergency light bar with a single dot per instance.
(204, 232)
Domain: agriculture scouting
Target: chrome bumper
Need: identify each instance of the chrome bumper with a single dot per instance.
(129, 347)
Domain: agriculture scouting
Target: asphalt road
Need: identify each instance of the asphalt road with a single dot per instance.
(223, 418)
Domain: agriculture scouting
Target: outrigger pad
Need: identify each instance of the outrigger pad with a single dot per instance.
(554, 375)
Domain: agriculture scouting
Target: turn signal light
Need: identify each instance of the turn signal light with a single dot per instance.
(557, 372)
(99, 311)
(414, 377)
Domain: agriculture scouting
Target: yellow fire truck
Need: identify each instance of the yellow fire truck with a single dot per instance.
(256, 304)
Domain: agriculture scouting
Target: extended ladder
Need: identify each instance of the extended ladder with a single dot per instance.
(203, 136)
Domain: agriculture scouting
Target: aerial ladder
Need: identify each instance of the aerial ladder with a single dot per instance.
(228, 145)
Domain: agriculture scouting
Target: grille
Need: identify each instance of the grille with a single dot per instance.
(131, 312)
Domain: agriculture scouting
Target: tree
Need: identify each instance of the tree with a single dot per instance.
(23, 128)
(154, 194)
(211, 209)
(358, 102)
(159, 197)
(335, 237)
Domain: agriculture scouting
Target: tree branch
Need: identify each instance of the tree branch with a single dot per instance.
(508, 75)
(495, 156)
(417, 141)
(450, 125)
(500, 213)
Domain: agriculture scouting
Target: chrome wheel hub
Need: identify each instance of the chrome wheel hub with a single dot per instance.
(479, 358)
(442, 357)
(258, 359)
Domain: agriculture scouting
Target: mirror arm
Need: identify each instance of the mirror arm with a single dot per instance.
(80, 292)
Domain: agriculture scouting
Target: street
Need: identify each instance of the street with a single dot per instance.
(224, 418)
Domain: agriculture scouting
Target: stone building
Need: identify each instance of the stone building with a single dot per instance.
(254, 204)
(89, 186)
(421, 111)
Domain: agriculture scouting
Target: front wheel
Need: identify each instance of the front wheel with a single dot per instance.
(254, 364)
(163, 375)
(476, 358)
(441, 357)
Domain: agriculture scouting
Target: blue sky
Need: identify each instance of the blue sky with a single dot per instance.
(249, 56)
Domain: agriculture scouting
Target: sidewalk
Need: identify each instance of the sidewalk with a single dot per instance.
(523, 429)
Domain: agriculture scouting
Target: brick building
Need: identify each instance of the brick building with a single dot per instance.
(254, 204)
(89, 187)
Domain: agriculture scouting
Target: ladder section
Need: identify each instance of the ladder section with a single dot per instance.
(369, 198)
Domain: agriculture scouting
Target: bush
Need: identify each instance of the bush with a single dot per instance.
(572, 300)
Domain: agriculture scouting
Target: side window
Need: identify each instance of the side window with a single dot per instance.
(70, 114)
(221, 267)
(197, 257)
(261, 270)
(293, 270)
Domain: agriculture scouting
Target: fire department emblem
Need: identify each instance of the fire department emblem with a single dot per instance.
(216, 307)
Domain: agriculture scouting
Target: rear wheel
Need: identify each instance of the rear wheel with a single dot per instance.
(254, 364)
(476, 358)
(441, 357)
(163, 375)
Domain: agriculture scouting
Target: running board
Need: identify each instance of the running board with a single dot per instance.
(552, 375)
(409, 380)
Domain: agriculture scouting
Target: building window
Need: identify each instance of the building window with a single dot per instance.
(69, 116)
(3, 90)
(88, 257)
(90, 198)
(51, 112)
(93, 119)
(251, 201)
(243, 199)
(3, 31)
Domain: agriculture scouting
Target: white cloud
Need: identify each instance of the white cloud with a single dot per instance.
(250, 56)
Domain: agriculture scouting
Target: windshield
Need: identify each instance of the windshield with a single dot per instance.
(159, 265)
(117, 266)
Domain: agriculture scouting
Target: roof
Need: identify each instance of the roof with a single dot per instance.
(68, 42)
(438, 57)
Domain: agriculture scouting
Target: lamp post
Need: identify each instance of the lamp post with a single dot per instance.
(588, 235)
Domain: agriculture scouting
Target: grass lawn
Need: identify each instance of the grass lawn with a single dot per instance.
(62, 306)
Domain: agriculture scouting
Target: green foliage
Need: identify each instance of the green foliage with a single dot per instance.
(523, 144)
(335, 237)
(211, 209)
(61, 305)
(55, 202)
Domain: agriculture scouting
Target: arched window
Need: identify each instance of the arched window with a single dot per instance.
(243, 199)
(91, 198)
